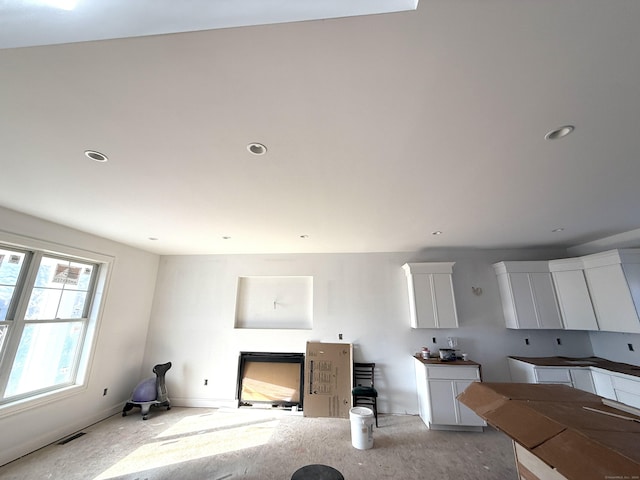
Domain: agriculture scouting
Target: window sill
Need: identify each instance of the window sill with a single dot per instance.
(30, 403)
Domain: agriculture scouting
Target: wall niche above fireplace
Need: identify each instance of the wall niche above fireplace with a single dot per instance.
(284, 302)
(270, 379)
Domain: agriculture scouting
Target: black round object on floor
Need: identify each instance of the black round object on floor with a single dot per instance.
(317, 472)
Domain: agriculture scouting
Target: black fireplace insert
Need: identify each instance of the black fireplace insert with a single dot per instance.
(270, 379)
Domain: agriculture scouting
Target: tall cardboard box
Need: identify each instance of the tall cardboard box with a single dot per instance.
(328, 373)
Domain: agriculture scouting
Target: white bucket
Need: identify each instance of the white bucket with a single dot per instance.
(362, 420)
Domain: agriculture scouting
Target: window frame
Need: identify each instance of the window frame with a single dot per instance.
(35, 250)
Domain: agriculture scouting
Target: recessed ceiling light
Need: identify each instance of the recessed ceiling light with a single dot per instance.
(257, 148)
(226, 237)
(559, 132)
(153, 239)
(437, 232)
(304, 236)
(556, 230)
(97, 156)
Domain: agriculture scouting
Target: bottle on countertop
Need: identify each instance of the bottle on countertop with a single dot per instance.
(425, 353)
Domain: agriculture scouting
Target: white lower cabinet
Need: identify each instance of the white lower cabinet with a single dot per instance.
(580, 378)
(438, 387)
(617, 386)
(608, 384)
(627, 389)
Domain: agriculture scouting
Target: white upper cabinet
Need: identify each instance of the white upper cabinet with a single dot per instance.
(431, 298)
(528, 296)
(573, 295)
(613, 278)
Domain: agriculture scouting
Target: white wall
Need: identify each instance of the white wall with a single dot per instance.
(120, 344)
(362, 296)
(614, 346)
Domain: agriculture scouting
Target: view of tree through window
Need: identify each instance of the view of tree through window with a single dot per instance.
(10, 267)
(43, 321)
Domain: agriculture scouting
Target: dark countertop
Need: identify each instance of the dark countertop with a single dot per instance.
(598, 362)
(437, 361)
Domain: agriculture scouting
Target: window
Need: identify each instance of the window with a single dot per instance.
(46, 305)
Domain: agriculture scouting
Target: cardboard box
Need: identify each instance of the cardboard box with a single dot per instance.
(328, 379)
(552, 423)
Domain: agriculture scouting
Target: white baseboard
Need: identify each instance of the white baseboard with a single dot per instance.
(203, 402)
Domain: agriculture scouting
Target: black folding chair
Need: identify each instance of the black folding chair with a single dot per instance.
(364, 392)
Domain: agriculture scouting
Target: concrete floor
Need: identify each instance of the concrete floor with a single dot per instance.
(220, 444)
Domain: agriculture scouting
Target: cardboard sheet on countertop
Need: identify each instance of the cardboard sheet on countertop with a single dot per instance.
(487, 399)
(550, 421)
(576, 458)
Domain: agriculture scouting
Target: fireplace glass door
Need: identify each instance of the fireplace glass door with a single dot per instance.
(270, 379)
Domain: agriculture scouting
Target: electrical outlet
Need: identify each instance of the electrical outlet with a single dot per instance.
(339, 336)
(206, 382)
(104, 392)
(434, 339)
(526, 341)
(630, 347)
(558, 341)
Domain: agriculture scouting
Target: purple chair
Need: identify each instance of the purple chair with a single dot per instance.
(151, 392)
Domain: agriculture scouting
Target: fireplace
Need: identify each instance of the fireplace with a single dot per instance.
(270, 379)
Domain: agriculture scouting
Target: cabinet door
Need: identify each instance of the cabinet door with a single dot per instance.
(508, 302)
(446, 315)
(434, 302)
(628, 398)
(603, 385)
(424, 301)
(445, 408)
(612, 299)
(553, 375)
(521, 372)
(522, 297)
(582, 379)
(627, 390)
(442, 394)
(546, 305)
(574, 300)
(466, 416)
(529, 301)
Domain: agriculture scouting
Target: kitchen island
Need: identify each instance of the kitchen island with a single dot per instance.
(560, 432)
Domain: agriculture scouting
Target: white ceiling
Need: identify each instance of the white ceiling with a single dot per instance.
(26, 23)
(381, 129)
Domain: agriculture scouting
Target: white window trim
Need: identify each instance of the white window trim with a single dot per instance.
(95, 315)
